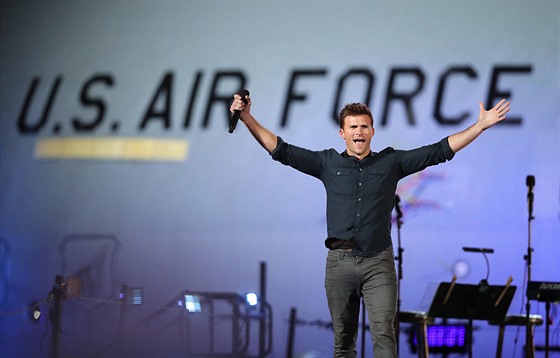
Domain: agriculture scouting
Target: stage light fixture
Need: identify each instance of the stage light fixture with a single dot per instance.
(443, 338)
(461, 268)
(252, 299)
(136, 296)
(36, 312)
(450, 336)
(192, 303)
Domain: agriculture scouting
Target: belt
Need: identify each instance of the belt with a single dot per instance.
(334, 244)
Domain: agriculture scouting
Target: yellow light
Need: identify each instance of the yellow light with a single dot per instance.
(105, 148)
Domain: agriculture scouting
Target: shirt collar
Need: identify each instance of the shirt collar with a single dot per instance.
(370, 155)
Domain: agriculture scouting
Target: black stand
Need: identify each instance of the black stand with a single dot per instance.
(262, 309)
(364, 328)
(57, 294)
(530, 181)
(546, 329)
(481, 302)
(399, 259)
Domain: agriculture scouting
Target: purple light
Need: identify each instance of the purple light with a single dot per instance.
(446, 336)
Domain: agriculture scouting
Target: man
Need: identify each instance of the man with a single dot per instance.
(360, 187)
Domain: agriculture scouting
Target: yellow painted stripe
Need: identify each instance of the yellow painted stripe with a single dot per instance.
(103, 148)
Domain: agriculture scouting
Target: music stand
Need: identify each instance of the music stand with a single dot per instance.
(463, 301)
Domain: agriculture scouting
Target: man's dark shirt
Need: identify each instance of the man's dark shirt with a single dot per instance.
(361, 193)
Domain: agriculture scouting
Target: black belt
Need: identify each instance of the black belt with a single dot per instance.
(335, 244)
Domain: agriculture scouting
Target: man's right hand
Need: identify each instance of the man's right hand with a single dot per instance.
(239, 105)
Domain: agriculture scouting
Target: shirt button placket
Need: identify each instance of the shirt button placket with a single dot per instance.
(359, 199)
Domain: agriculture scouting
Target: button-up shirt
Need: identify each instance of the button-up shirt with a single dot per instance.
(361, 193)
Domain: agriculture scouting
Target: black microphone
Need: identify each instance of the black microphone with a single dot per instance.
(235, 116)
(478, 249)
(398, 206)
(530, 181)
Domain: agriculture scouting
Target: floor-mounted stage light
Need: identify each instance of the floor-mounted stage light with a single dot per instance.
(252, 299)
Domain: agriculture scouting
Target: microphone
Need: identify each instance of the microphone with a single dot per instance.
(235, 116)
(530, 181)
(398, 206)
(477, 249)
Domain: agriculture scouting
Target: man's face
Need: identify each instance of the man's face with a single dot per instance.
(357, 132)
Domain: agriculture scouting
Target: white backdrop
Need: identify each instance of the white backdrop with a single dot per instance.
(147, 70)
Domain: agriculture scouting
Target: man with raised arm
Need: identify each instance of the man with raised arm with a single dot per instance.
(360, 186)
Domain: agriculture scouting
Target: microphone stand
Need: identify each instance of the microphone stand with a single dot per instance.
(530, 181)
(399, 258)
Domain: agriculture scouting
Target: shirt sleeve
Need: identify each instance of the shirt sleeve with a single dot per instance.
(412, 161)
(304, 160)
(275, 154)
(446, 148)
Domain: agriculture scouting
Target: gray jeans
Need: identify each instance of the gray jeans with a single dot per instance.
(349, 278)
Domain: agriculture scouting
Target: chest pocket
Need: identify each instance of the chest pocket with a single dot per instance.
(378, 178)
(340, 181)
